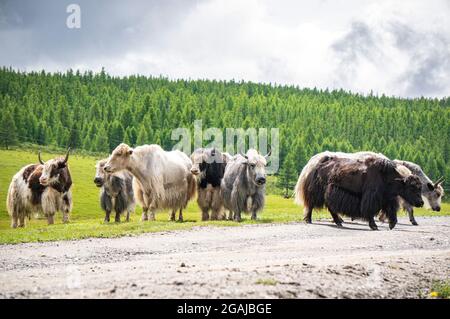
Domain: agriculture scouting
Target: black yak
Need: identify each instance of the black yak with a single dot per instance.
(432, 193)
(358, 188)
(209, 167)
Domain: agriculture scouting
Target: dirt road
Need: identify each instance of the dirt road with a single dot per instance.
(259, 261)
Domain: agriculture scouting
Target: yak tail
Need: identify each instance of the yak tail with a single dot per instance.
(192, 186)
(10, 199)
(298, 190)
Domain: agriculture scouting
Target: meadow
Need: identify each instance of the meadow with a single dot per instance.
(87, 217)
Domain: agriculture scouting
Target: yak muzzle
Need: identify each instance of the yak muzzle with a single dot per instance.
(260, 180)
(98, 181)
(195, 171)
(43, 181)
(419, 203)
(436, 208)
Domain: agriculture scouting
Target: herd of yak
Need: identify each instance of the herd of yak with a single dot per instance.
(359, 185)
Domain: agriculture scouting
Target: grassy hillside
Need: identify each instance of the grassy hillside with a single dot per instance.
(96, 112)
(87, 217)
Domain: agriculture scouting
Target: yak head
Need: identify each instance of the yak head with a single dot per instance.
(256, 166)
(119, 159)
(432, 194)
(100, 174)
(208, 162)
(411, 189)
(52, 168)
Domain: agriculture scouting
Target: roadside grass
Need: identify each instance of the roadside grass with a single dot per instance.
(440, 289)
(266, 282)
(87, 217)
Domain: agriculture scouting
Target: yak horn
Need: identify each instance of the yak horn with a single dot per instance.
(39, 157)
(243, 155)
(439, 181)
(268, 154)
(67, 156)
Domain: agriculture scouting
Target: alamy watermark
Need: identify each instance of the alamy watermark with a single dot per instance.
(73, 20)
(230, 140)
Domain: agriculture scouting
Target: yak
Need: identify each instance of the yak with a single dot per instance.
(116, 191)
(432, 193)
(162, 180)
(43, 187)
(209, 167)
(359, 188)
(243, 184)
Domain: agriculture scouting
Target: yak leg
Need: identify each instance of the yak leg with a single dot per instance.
(372, 224)
(22, 220)
(65, 216)
(307, 215)
(336, 218)
(390, 209)
(237, 216)
(128, 216)
(393, 222)
(253, 215)
(217, 212)
(172, 215)
(410, 211)
(230, 215)
(205, 214)
(107, 214)
(14, 220)
(50, 218)
(382, 217)
(66, 206)
(214, 214)
(180, 215)
(144, 213)
(117, 218)
(152, 215)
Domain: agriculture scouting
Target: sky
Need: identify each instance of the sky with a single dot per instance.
(397, 48)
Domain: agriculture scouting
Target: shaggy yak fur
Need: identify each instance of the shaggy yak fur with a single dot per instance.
(209, 167)
(40, 188)
(162, 180)
(358, 188)
(243, 184)
(431, 192)
(116, 191)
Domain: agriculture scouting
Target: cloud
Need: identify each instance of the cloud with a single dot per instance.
(387, 47)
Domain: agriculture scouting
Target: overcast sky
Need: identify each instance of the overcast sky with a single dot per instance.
(394, 47)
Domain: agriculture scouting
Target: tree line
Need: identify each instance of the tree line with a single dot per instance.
(97, 111)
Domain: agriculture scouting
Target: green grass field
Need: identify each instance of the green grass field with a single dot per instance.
(87, 217)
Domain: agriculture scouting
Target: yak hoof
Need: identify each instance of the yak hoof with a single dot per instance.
(414, 223)
(308, 220)
(373, 226)
(106, 220)
(392, 225)
(339, 225)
